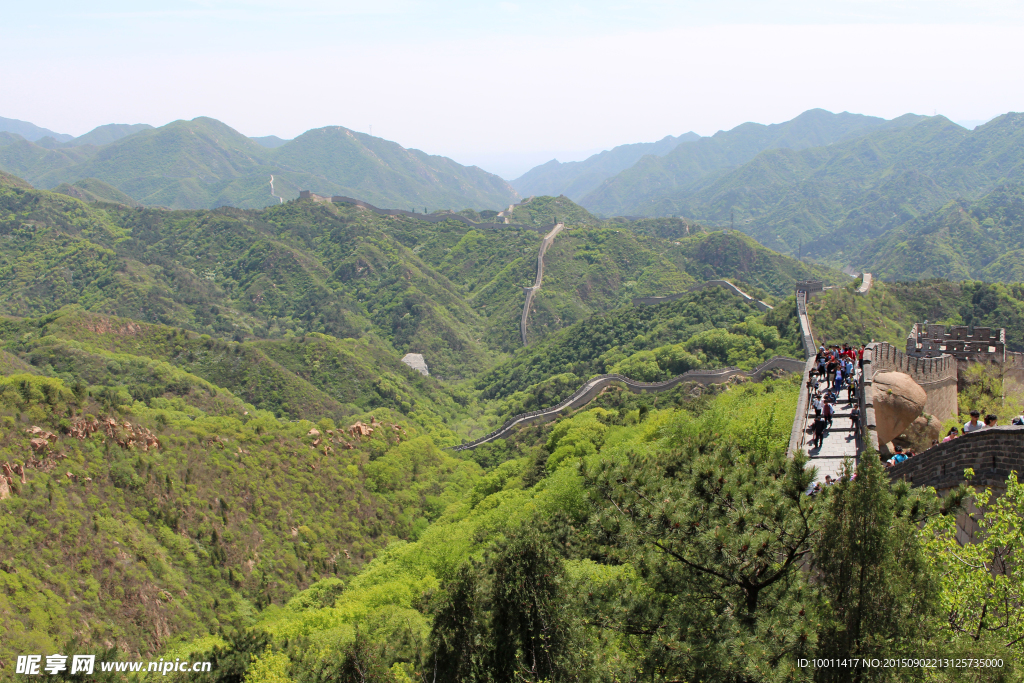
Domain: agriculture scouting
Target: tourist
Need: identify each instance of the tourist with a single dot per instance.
(953, 433)
(1017, 421)
(990, 420)
(973, 424)
(819, 432)
(851, 389)
(897, 457)
(855, 419)
(860, 356)
(827, 411)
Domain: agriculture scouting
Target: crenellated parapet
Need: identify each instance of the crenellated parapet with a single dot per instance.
(978, 344)
(924, 370)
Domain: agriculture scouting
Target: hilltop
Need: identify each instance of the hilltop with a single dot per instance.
(648, 187)
(204, 163)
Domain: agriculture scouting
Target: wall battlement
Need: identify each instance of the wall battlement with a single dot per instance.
(888, 358)
(959, 341)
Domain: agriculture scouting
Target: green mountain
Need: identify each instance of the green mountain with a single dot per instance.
(269, 141)
(964, 240)
(576, 179)
(204, 164)
(30, 131)
(649, 187)
(448, 290)
(830, 201)
(102, 135)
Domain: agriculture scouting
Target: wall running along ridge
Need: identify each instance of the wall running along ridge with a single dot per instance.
(653, 300)
(428, 217)
(548, 240)
(589, 391)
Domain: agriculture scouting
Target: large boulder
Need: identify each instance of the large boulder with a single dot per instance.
(898, 401)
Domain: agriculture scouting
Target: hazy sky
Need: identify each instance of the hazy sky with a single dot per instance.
(496, 82)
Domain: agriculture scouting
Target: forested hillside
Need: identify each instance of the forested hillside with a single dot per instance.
(649, 187)
(888, 310)
(216, 453)
(446, 290)
(204, 163)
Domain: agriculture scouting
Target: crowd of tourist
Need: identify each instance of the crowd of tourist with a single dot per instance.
(839, 367)
(836, 368)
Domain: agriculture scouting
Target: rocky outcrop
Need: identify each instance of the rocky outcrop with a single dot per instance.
(898, 401)
(922, 431)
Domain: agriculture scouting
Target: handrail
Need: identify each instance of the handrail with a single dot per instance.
(599, 382)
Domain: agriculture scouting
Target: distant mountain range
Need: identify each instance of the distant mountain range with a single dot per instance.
(204, 163)
(915, 196)
(576, 179)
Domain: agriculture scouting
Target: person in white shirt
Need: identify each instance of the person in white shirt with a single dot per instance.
(973, 424)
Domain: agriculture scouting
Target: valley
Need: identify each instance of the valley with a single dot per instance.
(215, 447)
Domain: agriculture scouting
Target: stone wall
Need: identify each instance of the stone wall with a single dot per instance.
(937, 376)
(1013, 373)
(992, 453)
(961, 342)
(654, 300)
(806, 336)
(590, 390)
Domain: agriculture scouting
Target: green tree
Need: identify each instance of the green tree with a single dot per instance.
(533, 632)
(879, 592)
(717, 534)
(982, 585)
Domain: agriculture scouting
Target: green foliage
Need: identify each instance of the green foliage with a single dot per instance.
(600, 343)
(881, 593)
(888, 310)
(981, 589)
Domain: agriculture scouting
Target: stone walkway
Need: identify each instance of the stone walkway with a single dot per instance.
(840, 441)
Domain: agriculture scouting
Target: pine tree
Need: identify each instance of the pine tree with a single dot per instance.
(880, 593)
(718, 533)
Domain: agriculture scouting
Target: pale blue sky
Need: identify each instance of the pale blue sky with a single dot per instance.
(495, 82)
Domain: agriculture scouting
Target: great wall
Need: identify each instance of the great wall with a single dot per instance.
(530, 291)
(935, 359)
(592, 388)
(427, 217)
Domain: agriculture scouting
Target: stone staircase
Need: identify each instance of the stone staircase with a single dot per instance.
(840, 440)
